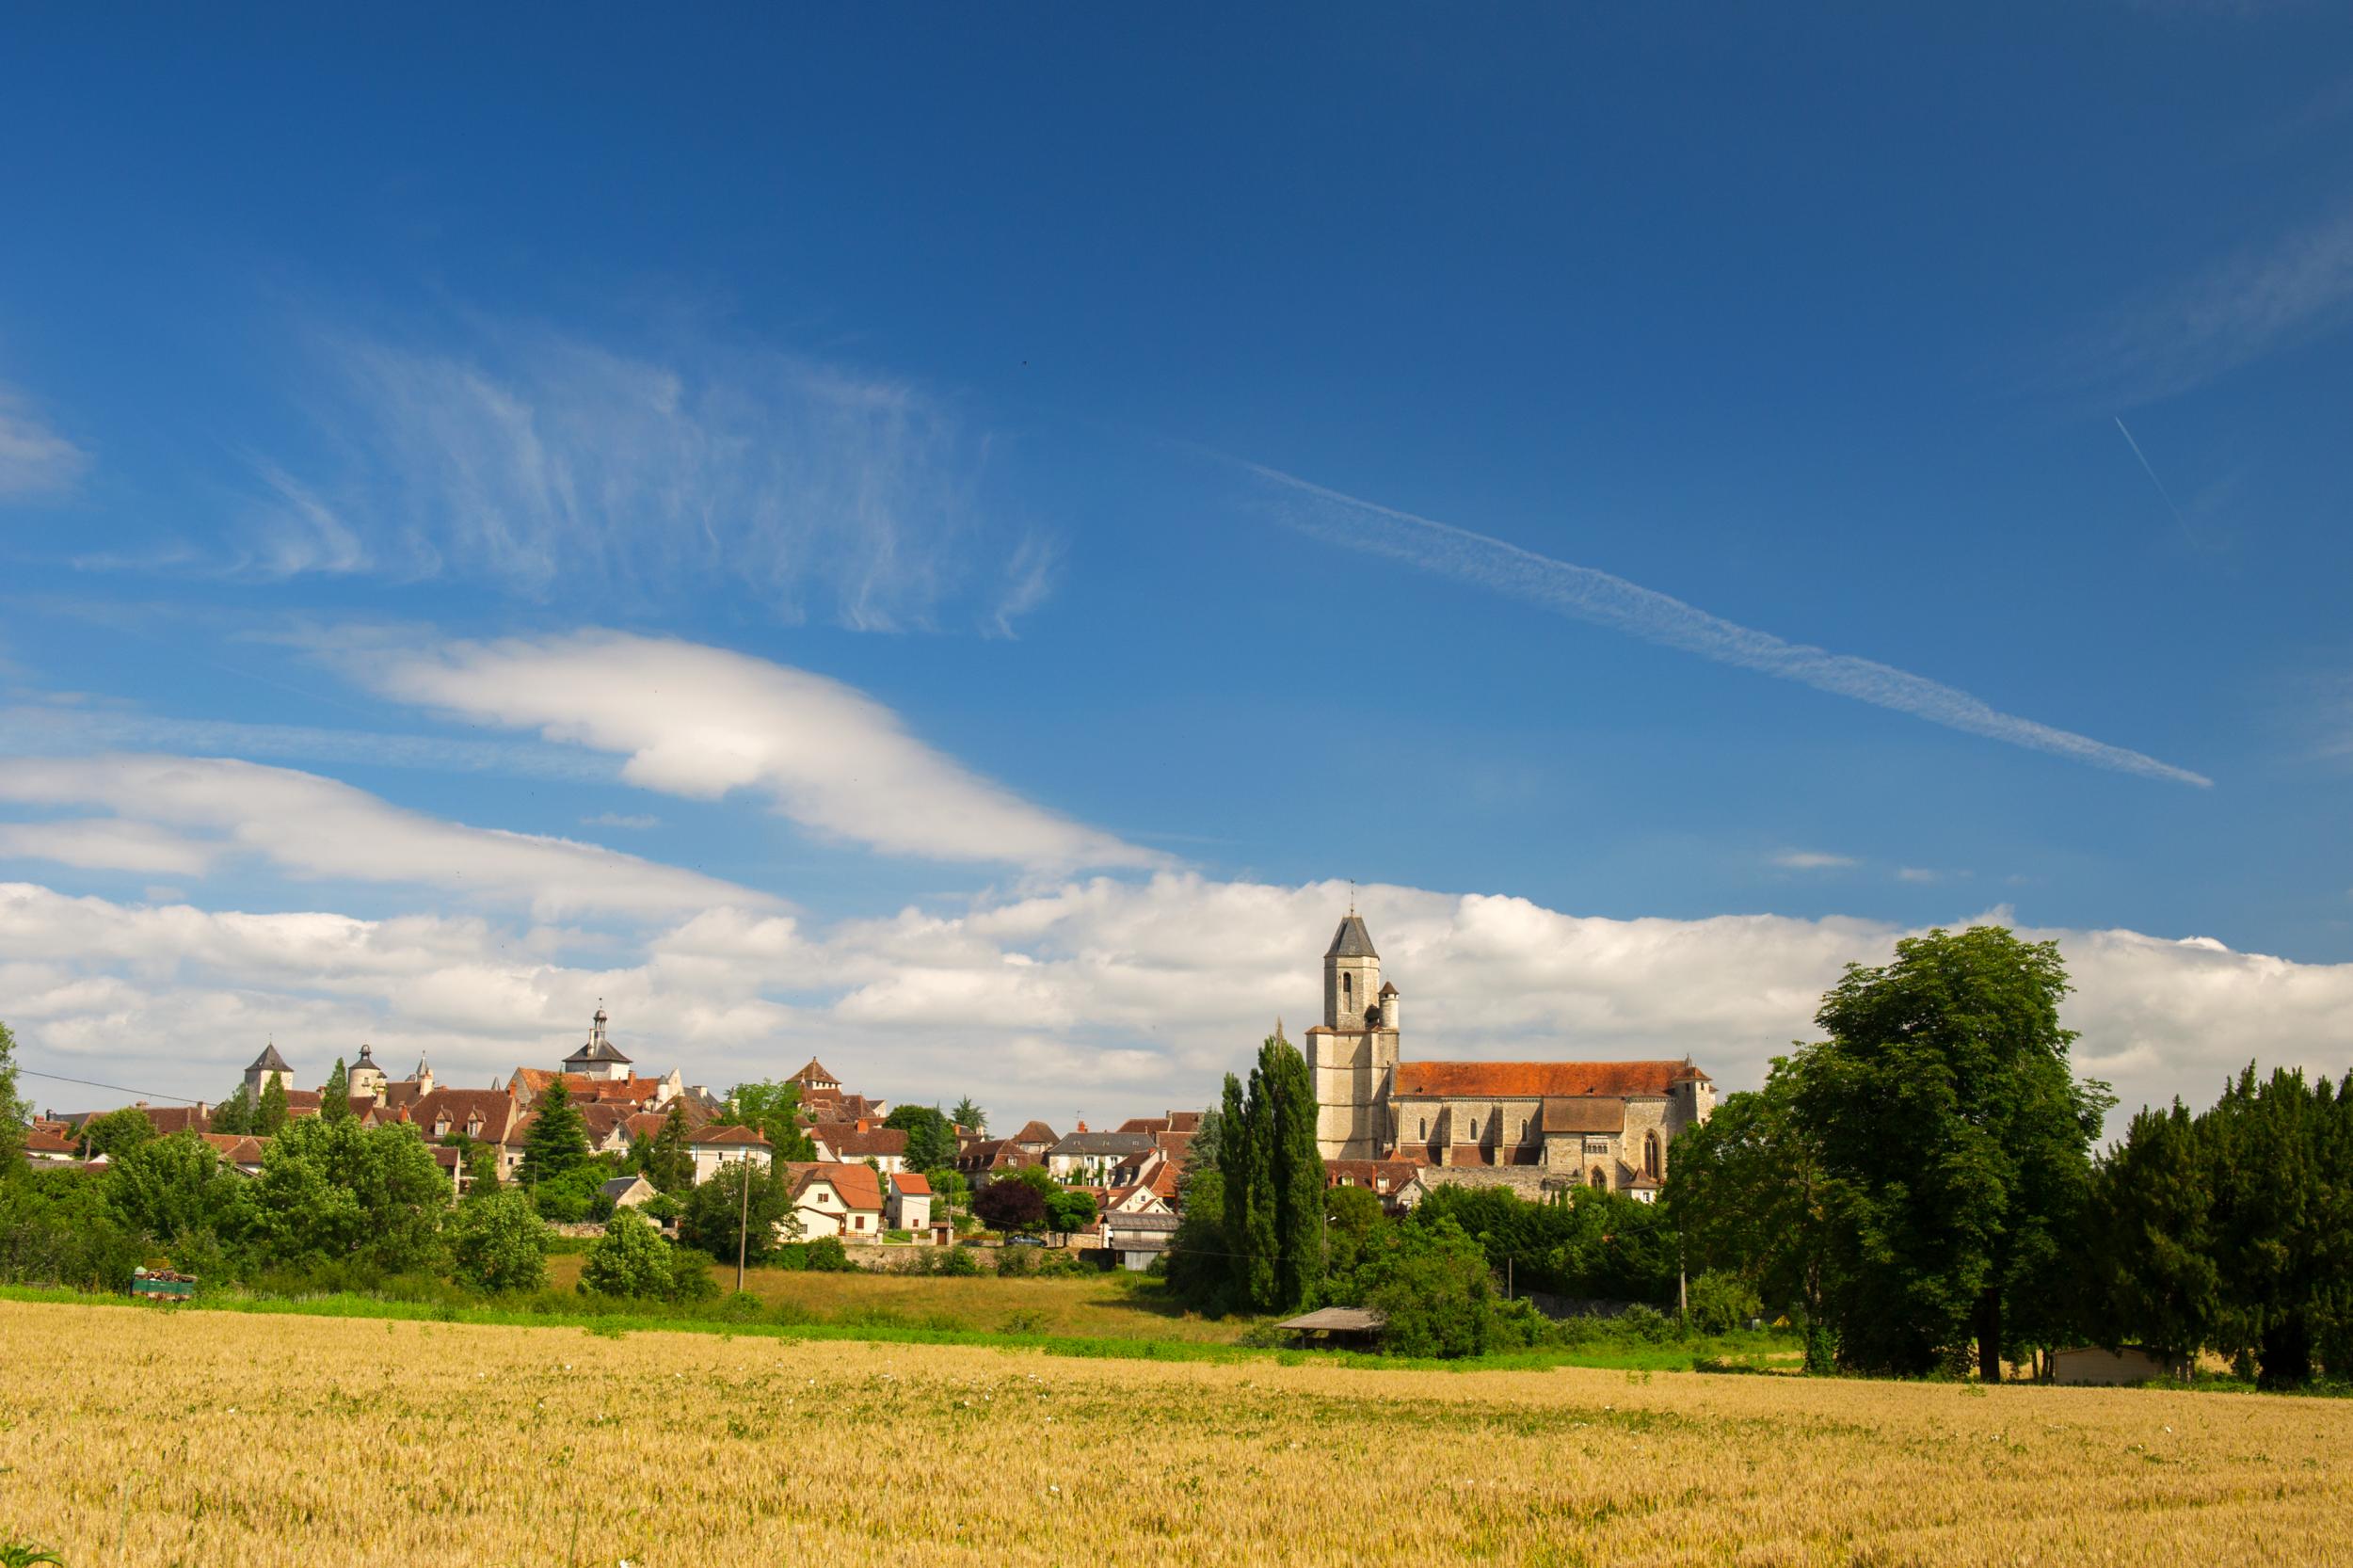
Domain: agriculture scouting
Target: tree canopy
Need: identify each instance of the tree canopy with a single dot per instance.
(931, 1140)
(117, 1132)
(557, 1144)
(773, 1105)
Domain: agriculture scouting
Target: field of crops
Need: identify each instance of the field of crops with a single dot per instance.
(150, 1436)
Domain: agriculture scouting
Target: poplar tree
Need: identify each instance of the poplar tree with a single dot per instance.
(1260, 1240)
(671, 1161)
(1233, 1158)
(1295, 1172)
(235, 1114)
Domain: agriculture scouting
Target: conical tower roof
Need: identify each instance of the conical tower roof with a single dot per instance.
(1352, 941)
(269, 1061)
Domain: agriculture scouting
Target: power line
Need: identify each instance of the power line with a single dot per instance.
(93, 1083)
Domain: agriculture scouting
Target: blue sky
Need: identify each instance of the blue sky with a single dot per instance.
(1046, 448)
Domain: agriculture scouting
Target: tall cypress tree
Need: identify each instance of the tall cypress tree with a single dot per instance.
(558, 1142)
(1295, 1171)
(335, 1099)
(1233, 1158)
(235, 1114)
(270, 1115)
(1261, 1243)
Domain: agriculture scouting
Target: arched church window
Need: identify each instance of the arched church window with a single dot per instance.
(1425, 1129)
(1650, 1155)
(1600, 1178)
(1348, 993)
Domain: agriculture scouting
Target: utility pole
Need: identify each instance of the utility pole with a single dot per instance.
(742, 1224)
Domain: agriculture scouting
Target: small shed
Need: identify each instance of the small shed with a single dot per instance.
(1336, 1325)
(2089, 1365)
(630, 1192)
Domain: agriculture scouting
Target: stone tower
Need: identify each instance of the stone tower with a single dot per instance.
(1351, 1055)
(365, 1077)
(265, 1067)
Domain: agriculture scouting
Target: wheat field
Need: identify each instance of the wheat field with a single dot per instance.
(159, 1438)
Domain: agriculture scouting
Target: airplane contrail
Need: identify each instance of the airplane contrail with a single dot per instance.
(1586, 593)
(2166, 495)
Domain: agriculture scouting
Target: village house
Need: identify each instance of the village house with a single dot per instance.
(855, 1142)
(910, 1202)
(1087, 1158)
(837, 1200)
(713, 1146)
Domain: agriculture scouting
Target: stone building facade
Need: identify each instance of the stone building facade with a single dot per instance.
(1600, 1124)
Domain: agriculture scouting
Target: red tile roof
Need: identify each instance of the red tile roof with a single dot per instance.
(912, 1184)
(731, 1137)
(855, 1184)
(1036, 1132)
(42, 1140)
(849, 1140)
(1538, 1080)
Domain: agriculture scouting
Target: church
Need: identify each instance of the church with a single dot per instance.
(1601, 1123)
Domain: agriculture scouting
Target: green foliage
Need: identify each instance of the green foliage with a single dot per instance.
(175, 1188)
(482, 1166)
(931, 1141)
(335, 1099)
(26, 1554)
(270, 1114)
(1747, 1191)
(711, 1214)
(1070, 1211)
(235, 1116)
(1295, 1173)
(333, 1190)
(667, 1159)
(498, 1243)
(959, 1260)
(1430, 1282)
(2232, 1230)
(1353, 1216)
(557, 1144)
(117, 1132)
(1585, 1241)
(632, 1259)
(58, 1227)
(576, 1197)
(774, 1107)
(1957, 1149)
(969, 1116)
(14, 1109)
(1723, 1302)
(827, 1255)
(1198, 1269)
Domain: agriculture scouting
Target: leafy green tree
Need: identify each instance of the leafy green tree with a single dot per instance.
(58, 1227)
(1070, 1211)
(1199, 1269)
(2267, 1141)
(498, 1242)
(176, 1186)
(1721, 1302)
(1746, 1190)
(557, 1144)
(1957, 1148)
(14, 1109)
(235, 1116)
(335, 1099)
(773, 1105)
(1353, 1216)
(931, 1141)
(711, 1214)
(115, 1133)
(1432, 1286)
(669, 1159)
(969, 1116)
(630, 1258)
(335, 1192)
(482, 1165)
(270, 1113)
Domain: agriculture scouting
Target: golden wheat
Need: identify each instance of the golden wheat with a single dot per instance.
(147, 1437)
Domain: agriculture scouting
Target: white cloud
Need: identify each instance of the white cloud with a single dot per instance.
(1105, 998)
(621, 819)
(2294, 289)
(1583, 593)
(33, 459)
(701, 722)
(548, 465)
(1811, 860)
(1915, 873)
(315, 827)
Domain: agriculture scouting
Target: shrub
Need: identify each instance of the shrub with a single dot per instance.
(1647, 1324)
(1720, 1303)
(631, 1261)
(960, 1261)
(827, 1255)
(1015, 1262)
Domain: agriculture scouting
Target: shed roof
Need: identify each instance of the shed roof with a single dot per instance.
(1345, 1319)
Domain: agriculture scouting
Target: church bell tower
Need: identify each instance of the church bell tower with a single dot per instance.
(1351, 1055)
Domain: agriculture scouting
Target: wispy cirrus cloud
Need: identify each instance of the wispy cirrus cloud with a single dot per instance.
(701, 722)
(1584, 593)
(1812, 860)
(550, 465)
(2290, 291)
(35, 460)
